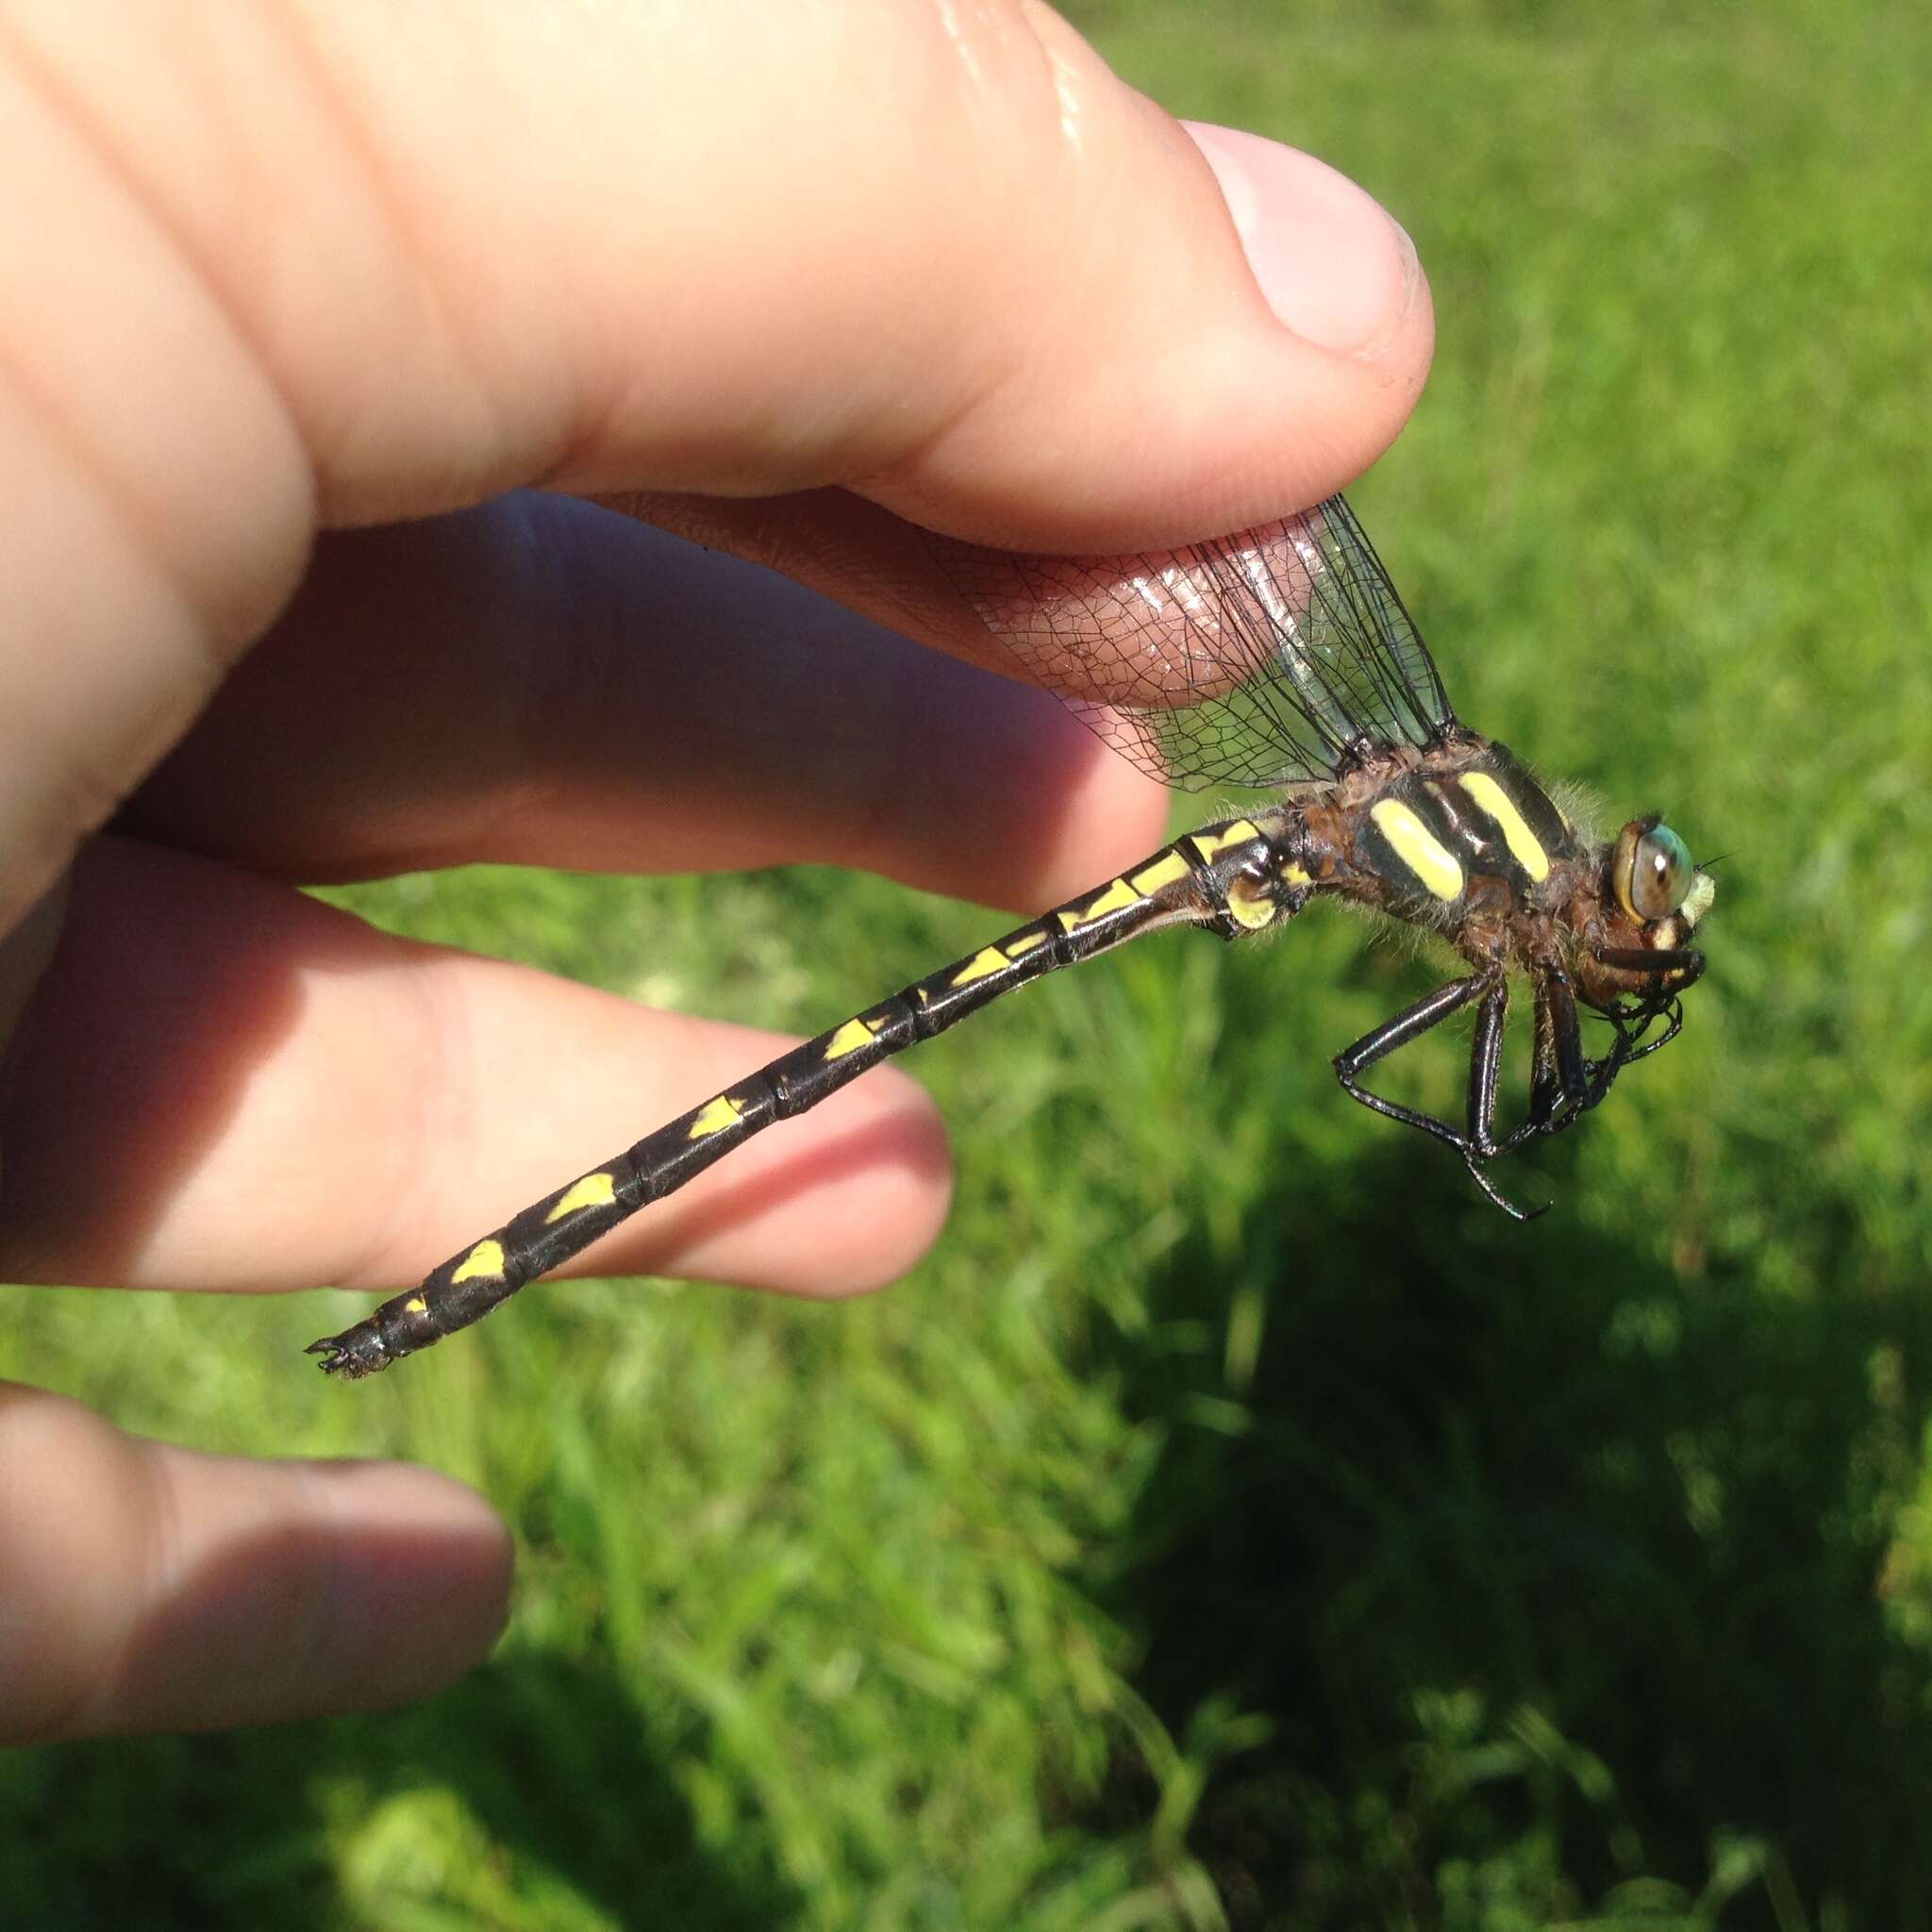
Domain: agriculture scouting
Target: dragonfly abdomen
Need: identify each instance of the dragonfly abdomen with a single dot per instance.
(1236, 876)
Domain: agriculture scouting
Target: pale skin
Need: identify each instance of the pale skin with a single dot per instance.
(273, 276)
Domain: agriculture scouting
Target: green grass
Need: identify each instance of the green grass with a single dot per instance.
(1235, 1523)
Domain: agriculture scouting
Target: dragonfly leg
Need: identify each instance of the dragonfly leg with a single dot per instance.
(1485, 1063)
(1411, 1024)
(1477, 1141)
(1481, 1146)
(1563, 1084)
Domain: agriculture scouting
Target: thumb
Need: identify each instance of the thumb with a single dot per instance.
(938, 255)
(289, 265)
(944, 258)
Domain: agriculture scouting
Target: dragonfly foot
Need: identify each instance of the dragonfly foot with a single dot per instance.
(1474, 1163)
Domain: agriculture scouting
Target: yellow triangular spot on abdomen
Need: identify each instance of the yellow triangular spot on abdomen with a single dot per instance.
(593, 1191)
(1116, 898)
(849, 1038)
(1165, 870)
(483, 1262)
(1210, 846)
(715, 1116)
(983, 965)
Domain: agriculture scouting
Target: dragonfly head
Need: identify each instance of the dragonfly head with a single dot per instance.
(1650, 899)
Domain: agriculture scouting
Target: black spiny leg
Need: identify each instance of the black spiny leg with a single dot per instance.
(1477, 1142)
(1485, 1063)
(1672, 971)
(1672, 1017)
(1411, 1024)
(1571, 1069)
(1560, 1085)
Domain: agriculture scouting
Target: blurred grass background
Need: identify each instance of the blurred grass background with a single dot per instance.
(1235, 1523)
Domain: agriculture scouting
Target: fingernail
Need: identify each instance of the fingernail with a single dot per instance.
(1334, 265)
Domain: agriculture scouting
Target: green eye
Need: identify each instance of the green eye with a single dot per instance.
(1660, 874)
(1652, 873)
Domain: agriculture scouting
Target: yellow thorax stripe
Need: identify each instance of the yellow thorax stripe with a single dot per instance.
(1524, 846)
(1417, 847)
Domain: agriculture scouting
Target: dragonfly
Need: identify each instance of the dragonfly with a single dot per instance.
(1281, 660)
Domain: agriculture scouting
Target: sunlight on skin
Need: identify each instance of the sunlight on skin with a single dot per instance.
(338, 297)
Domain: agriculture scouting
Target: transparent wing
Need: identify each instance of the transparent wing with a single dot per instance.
(1277, 656)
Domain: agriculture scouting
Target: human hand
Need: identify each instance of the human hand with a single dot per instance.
(781, 277)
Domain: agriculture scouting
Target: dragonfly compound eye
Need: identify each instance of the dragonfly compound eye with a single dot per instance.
(1652, 872)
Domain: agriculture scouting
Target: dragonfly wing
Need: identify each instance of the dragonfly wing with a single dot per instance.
(1277, 656)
